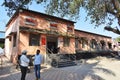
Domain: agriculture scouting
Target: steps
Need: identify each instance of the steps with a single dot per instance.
(62, 61)
(66, 64)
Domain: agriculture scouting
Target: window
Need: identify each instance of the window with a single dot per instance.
(14, 40)
(93, 44)
(109, 45)
(69, 29)
(83, 44)
(66, 42)
(102, 44)
(76, 43)
(53, 25)
(83, 41)
(34, 40)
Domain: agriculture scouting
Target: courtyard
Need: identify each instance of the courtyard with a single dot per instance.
(99, 68)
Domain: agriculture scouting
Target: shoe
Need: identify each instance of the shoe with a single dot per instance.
(36, 78)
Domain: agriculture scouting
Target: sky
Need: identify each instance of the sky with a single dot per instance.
(80, 24)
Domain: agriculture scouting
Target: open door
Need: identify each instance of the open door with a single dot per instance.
(52, 43)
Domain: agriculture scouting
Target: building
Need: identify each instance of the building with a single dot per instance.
(32, 30)
(2, 39)
(116, 45)
(87, 41)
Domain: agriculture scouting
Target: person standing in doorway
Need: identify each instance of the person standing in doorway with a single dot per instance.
(37, 64)
(24, 62)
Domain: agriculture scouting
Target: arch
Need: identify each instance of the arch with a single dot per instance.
(109, 45)
(103, 44)
(83, 41)
(93, 43)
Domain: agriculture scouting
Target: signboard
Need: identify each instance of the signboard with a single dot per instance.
(30, 21)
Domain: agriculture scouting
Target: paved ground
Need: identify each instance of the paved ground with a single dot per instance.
(87, 70)
(8, 72)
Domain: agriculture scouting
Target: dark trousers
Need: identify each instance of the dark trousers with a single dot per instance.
(37, 71)
(23, 72)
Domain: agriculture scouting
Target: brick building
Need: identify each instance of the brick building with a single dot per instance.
(32, 30)
(87, 41)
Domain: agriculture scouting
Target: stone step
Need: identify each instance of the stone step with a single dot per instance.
(63, 64)
(66, 63)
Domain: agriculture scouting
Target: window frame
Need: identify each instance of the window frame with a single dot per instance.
(66, 42)
(34, 38)
(76, 43)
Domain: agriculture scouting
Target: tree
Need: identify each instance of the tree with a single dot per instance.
(98, 11)
(117, 39)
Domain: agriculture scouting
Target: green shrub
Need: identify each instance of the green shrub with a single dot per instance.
(1, 45)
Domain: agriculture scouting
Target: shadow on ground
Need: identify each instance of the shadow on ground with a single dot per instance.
(84, 71)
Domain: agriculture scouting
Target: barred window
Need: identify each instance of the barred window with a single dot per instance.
(66, 42)
(83, 44)
(76, 43)
(93, 44)
(34, 40)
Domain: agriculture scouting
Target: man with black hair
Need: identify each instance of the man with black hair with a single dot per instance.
(37, 64)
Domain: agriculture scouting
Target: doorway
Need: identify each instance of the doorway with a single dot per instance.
(52, 44)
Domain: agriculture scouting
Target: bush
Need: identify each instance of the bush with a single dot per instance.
(1, 45)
